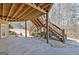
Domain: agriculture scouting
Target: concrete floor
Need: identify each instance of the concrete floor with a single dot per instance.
(32, 46)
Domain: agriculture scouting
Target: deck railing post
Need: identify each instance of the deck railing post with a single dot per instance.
(64, 35)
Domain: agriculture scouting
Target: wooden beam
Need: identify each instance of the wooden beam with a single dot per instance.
(16, 20)
(34, 22)
(40, 4)
(24, 12)
(14, 12)
(1, 8)
(10, 11)
(30, 12)
(34, 15)
(37, 22)
(27, 13)
(9, 7)
(48, 9)
(44, 5)
(41, 22)
(3, 12)
(13, 9)
(18, 10)
(37, 8)
(31, 16)
(6, 7)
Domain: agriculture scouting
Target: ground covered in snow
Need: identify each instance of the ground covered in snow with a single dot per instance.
(32, 46)
(69, 43)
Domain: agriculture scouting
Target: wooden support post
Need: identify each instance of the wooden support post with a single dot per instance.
(25, 28)
(64, 37)
(47, 27)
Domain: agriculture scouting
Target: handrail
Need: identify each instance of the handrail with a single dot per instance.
(60, 32)
(55, 26)
(56, 32)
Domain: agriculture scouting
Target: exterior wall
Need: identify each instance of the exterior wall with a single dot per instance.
(4, 30)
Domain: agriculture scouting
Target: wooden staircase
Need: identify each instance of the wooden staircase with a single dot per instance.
(58, 33)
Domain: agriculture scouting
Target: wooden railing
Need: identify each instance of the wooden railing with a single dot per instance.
(56, 28)
(59, 33)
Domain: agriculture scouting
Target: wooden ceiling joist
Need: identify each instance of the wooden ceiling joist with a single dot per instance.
(27, 13)
(13, 9)
(37, 8)
(3, 11)
(1, 7)
(6, 9)
(49, 7)
(40, 4)
(23, 12)
(9, 14)
(46, 6)
(34, 14)
(18, 10)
